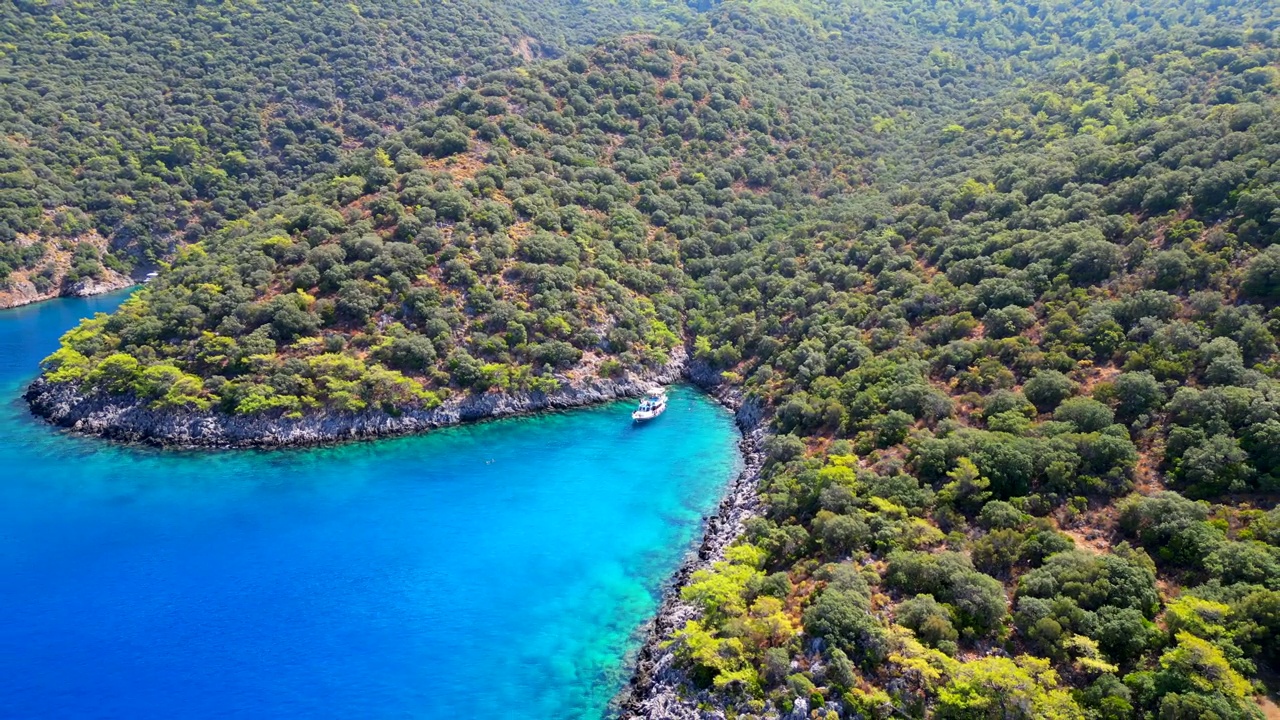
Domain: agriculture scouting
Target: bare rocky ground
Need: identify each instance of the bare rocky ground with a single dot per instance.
(20, 287)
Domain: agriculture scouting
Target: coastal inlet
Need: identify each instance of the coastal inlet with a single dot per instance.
(501, 569)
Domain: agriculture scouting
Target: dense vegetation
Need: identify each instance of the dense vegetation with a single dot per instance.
(154, 123)
(532, 226)
(1005, 275)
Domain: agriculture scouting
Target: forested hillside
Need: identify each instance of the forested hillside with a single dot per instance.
(1029, 393)
(1003, 274)
(129, 128)
(534, 223)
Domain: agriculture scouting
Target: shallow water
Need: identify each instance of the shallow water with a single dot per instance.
(498, 570)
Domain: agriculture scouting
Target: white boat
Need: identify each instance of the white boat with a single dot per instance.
(652, 405)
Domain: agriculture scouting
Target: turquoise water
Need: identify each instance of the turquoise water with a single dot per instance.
(499, 570)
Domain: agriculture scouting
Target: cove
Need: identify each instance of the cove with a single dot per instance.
(497, 570)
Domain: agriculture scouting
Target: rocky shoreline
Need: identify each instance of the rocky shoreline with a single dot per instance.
(22, 292)
(658, 689)
(125, 419)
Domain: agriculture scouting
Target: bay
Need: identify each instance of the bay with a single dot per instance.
(501, 569)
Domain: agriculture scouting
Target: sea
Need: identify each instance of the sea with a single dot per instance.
(502, 569)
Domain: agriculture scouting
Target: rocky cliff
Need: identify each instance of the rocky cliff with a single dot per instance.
(49, 279)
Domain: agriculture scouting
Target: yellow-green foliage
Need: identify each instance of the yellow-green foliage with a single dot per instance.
(263, 399)
(1086, 655)
(722, 662)
(1203, 618)
(661, 336)
(171, 388)
(764, 625)
(66, 365)
(393, 390)
(1006, 688)
(839, 473)
(918, 534)
(727, 643)
(718, 591)
(116, 373)
(186, 391)
(924, 668)
(335, 366)
(496, 376)
(874, 703)
(1201, 665)
(89, 337)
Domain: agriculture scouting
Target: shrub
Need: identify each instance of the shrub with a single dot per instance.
(1086, 414)
(1047, 389)
(930, 621)
(843, 618)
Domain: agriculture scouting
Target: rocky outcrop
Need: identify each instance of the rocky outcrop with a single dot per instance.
(19, 290)
(109, 282)
(659, 689)
(127, 419)
(23, 286)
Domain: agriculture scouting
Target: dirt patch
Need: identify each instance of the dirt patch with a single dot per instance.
(1146, 475)
(1267, 701)
(524, 48)
(1092, 376)
(464, 166)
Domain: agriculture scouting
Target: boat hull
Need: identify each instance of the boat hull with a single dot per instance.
(643, 415)
(653, 405)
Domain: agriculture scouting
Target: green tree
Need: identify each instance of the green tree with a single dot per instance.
(1047, 389)
(1261, 277)
(1195, 678)
(1086, 414)
(930, 621)
(1005, 689)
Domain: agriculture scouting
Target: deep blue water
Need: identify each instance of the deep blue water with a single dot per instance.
(499, 570)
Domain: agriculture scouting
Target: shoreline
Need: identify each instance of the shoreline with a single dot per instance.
(656, 689)
(26, 294)
(124, 419)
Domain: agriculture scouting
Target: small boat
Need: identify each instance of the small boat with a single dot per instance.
(652, 405)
